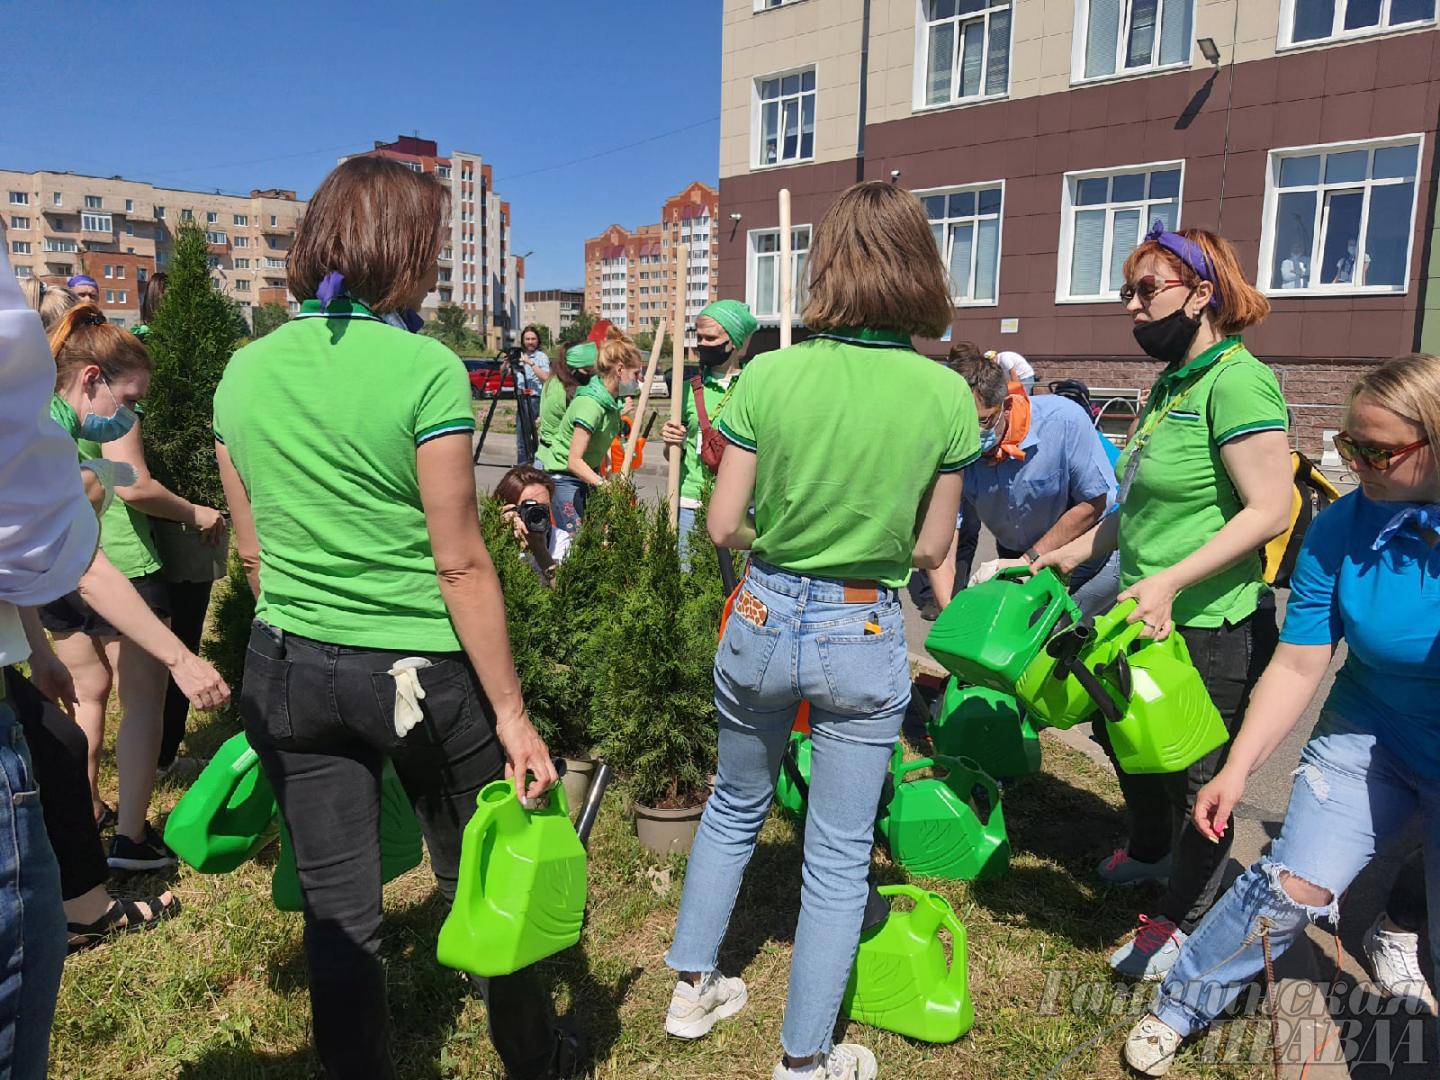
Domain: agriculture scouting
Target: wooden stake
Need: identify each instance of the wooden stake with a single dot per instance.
(637, 421)
(787, 288)
(677, 376)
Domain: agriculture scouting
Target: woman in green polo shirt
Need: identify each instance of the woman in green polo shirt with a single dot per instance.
(1205, 484)
(344, 442)
(591, 420)
(100, 372)
(836, 530)
(567, 378)
(722, 330)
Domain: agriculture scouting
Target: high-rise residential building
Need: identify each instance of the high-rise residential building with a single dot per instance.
(1043, 138)
(554, 309)
(630, 278)
(121, 231)
(478, 268)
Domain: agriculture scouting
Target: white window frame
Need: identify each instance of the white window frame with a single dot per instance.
(757, 140)
(772, 5)
(129, 205)
(922, 59)
(19, 247)
(19, 198)
(1082, 33)
(442, 172)
(1339, 33)
(19, 223)
(1069, 182)
(57, 198)
(92, 223)
(94, 202)
(240, 219)
(21, 270)
(959, 189)
(121, 294)
(752, 259)
(212, 217)
(215, 236)
(1273, 191)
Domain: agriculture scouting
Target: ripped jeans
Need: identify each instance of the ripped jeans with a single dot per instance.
(1350, 799)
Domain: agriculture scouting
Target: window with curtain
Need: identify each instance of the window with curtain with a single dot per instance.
(1124, 37)
(763, 279)
(1340, 218)
(787, 118)
(966, 224)
(966, 50)
(1104, 218)
(1306, 22)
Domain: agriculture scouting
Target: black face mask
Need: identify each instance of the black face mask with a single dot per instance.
(711, 356)
(1168, 339)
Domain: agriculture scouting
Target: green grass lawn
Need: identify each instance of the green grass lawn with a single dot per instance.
(220, 992)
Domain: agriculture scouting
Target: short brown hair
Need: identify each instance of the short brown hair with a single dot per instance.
(375, 222)
(518, 479)
(987, 378)
(1239, 304)
(154, 296)
(962, 352)
(82, 337)
(874, 264)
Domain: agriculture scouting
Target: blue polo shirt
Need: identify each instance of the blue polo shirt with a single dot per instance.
(1065, 464)
(1386, 606)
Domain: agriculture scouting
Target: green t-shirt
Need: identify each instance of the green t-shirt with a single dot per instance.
(849, 430)
(124, 531)
(1181, 494)
(322, 418)
(692, 469)
(595, 409)
(552, 411)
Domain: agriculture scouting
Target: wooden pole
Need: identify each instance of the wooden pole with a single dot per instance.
(787, 288)
(677, 376)
(638, 419)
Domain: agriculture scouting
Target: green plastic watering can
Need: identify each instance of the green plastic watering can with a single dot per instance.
(1059, 686)
(228, 815)
(947, 827)
(991, 632)
(900, 981)
(400, 844)
(792, 786)
(522, 887)
(987, 727)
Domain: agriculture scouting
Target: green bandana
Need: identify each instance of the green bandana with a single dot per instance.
(734, 318)
(63, 413)
(584, 355)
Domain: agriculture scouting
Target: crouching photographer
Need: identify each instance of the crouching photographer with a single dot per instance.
(526, 493)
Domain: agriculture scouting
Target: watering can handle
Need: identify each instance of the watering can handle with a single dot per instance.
(792, 770)
(1098, 694)
(1016, 572)
(958, 937)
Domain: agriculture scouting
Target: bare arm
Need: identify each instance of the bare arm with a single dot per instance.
(471, 591)
(247, 541)
(942, 577)
(936, 535)
(149, 496)
(728, 519)
(1101, 540)
(1074, 523)
(575, 463)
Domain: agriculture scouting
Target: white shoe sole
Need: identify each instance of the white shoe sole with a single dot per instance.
(140, 864)
(700, 1026)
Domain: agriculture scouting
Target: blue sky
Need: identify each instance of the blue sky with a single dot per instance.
(234, 96)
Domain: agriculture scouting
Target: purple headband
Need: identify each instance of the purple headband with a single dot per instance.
(81, 279)
(1188, 252)
(331, 286)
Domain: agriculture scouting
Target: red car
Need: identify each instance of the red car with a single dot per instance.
(486, 380)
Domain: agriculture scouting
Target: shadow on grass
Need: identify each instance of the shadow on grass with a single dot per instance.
(239, 1063)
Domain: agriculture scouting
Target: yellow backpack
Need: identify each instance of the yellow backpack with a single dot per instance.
(1311, 495)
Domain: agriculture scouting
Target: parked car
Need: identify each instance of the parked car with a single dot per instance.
(660, 387)
(486, 379)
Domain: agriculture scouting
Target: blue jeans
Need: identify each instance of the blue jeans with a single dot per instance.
(569, 503)
(1095, 585)
(526, 428)
(814, 647)
(32, 920)
(687, 526)
(1351, 798)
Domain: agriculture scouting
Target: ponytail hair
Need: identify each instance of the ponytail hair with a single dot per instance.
(1238, 304)
(616, 351)
(81, 338)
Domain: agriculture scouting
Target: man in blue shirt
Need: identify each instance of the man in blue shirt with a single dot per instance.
(532, 369)
(1043, 477)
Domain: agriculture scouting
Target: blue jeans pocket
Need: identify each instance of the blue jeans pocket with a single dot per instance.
(866, 673)
(746, 651)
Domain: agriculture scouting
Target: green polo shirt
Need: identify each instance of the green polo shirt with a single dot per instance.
(124, 531)
(552, 411)
(692, 469)
(1182, 495)
(595, 409)
(322, 418)
(849, 429)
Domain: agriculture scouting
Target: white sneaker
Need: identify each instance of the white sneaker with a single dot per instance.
(1152, 952)
(1395, 960)
(1150, 1047)
(1121, 869)
(846, 1061)
(694, 1010)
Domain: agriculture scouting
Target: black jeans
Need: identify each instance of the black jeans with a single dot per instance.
(1408, 906)
(321, 717)
(189, 600)
(1230, 659)
(59, 753)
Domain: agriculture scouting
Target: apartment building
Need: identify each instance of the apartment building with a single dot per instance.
(121, 231)
(1044, 136)
(630, 278)
(554, 309)
(478, 270)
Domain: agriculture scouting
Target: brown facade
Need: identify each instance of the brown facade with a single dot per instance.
(1361, 91)
(121, 278)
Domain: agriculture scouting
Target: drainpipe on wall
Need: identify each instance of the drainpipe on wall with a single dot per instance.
(1427, 249)
(864, 93)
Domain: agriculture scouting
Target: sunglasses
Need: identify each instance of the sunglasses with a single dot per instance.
(1374, 458)
(1147, 288)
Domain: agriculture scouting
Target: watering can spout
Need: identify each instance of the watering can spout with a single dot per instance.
(498, 807)
(929, 913)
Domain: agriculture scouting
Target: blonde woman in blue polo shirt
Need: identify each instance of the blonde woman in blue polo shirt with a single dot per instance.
(1368, 575)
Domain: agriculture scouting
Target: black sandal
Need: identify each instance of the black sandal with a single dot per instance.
(121, 917)
(108, 819)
